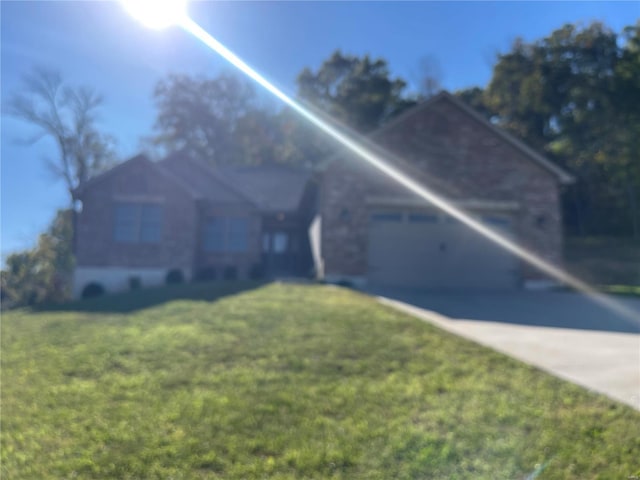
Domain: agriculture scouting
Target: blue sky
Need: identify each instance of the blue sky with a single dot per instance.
(96, 44)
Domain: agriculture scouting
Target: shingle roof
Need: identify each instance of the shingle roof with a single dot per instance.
(272, 187)
(140, 158)
(204, 181)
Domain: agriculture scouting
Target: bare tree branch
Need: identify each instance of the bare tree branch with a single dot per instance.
(68, 115)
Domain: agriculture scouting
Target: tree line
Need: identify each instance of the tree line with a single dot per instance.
(573, 95)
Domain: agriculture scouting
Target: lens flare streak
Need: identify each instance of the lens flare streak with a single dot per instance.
(558, 274)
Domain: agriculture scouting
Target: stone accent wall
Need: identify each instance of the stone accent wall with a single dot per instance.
(136, 181)
(452, 152)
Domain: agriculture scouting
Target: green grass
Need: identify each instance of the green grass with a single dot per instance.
(288, 382)
(149, 297)
(627, 290)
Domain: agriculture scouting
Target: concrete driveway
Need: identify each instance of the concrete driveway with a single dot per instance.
(562, 333)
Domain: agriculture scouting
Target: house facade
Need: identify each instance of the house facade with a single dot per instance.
(143, 219)
(373, 232)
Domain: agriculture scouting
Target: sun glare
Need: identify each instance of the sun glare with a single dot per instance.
(157, 14)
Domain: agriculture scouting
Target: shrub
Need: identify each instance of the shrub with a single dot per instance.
(93, 289)
(205, 274)
(257, 271)
(174, 276)
(345, 283)
(135, 283)
(230, 272)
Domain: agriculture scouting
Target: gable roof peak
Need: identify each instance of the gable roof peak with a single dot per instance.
(562, 176)
(140, 157)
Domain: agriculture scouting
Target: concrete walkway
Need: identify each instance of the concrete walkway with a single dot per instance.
(604, 361)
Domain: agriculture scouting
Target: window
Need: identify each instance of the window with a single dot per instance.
(495, 221)
(423, 218)
(214, 235)
(150, 223)
(137, 223)
(386, 217)
(266, 242)
(226, 234)
(280, 242)
(238, 234)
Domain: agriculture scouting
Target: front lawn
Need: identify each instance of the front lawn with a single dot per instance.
(628, 290)
(288, 382)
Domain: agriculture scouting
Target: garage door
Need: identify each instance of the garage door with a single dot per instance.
(428, 250)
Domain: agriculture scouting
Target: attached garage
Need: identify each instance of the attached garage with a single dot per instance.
(430, 250)
(373, 232)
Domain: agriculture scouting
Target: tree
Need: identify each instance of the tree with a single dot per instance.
(258, 138)
(215, 119)
(475, 97)
(627, 99)
(302, 143)
(572, 96)
(41, 274)
(356, 91)
(67, 115)
(430, 81)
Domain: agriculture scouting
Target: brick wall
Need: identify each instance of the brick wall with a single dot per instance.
(447, 149)
(136, 181)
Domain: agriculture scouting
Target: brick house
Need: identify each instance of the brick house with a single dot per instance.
(370, 231)
(143, 219)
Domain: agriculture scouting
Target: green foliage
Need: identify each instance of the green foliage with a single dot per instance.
(302, 143)
(215, 119)
(475, 97)
(93, 290)
(174, 277)
(627, 290)
(357, 91)
(220, 120)
(135, 283)
(42, 274)
(574, 95)
(288, 382)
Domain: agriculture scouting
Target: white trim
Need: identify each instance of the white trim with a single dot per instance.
(315, 240)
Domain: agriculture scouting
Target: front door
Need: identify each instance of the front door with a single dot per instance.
(279, 252)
